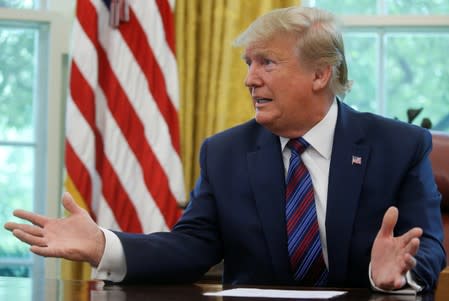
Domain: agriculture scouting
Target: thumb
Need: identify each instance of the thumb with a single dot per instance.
(69, 204)
(389, 222)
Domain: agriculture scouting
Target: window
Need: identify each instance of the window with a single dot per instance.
(23, 94)
(396, 53)
(31, 120)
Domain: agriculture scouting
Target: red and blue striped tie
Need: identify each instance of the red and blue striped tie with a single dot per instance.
(304, 245)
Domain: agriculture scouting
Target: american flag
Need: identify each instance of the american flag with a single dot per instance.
(122, 153)
(356, 160)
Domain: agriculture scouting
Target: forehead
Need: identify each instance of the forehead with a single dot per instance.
(281, 45)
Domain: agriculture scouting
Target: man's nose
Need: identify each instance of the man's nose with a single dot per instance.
(253, 78)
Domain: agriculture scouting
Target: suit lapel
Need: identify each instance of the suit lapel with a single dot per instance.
(266, 172)
(347, 169)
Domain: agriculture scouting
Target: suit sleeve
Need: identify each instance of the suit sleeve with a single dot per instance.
(419, 206)
(188, 251)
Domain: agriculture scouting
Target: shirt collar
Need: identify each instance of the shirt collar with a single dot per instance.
(321, 136)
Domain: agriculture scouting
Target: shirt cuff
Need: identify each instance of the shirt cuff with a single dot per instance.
(411, 280)
(112, 266)
(411, 287)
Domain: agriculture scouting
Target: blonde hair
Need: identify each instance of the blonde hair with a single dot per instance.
(319, 40)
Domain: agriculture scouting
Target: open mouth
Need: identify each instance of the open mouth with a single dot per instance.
(263, 100)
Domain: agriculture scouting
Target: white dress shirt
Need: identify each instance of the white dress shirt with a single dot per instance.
(317, 158)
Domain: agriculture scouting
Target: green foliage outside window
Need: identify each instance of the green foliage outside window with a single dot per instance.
(417, 76)
(16, 82)
(414, 60)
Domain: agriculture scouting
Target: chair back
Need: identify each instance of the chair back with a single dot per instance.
(439, 158)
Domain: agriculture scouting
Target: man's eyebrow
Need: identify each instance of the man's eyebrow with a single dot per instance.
(257, 54)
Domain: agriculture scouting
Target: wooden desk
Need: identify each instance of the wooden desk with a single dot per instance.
(18, 289)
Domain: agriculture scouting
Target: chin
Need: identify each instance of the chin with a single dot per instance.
(265, 122)
(273, 125)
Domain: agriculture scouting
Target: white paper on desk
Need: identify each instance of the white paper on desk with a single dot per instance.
(272, 293)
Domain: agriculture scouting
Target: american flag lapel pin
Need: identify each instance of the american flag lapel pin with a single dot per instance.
(356, 160)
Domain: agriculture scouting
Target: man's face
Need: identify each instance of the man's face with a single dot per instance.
(280, 86)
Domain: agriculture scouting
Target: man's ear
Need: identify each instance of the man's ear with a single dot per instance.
(322, 77)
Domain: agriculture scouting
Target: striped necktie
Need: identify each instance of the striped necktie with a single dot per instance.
(304, 245)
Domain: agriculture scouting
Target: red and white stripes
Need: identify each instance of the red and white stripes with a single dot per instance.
(122, 127)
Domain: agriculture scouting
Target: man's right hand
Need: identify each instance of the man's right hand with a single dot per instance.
(75, 237)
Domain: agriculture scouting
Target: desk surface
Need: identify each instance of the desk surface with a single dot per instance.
(18, 289)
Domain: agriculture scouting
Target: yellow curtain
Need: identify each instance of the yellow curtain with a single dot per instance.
(211, 73)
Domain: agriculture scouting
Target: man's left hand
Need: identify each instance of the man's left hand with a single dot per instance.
(392, 257)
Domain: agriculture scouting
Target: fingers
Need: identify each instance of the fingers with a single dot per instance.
(10, 226)
(410, 235)
(34, 218)
(410, 242)
(30, 234)
(400, 282)
(389, 222)
(411, 250)
(70, 205)
(41, 220)
(413, 246)
(43, 251)
(29, 238)
(31, 229)
(409, 262)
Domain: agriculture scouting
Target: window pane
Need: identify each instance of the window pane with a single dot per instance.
(348, 7)
(417, 76)
(16, 191)
(17, 72)
(18, 3)
(361, 56)
(417, 7)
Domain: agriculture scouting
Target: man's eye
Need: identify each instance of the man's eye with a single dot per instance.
(267, 62)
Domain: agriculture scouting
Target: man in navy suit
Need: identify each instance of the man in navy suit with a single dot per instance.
(377, 206)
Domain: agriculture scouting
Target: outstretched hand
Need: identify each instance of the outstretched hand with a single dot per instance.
(392, 257)
(75, 237)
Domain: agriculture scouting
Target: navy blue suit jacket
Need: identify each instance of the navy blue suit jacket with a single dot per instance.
(236, 210)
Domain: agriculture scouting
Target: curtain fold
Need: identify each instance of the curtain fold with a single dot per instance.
(211, 73)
